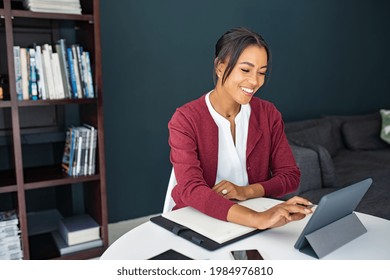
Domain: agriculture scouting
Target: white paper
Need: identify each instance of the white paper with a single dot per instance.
(214, 229)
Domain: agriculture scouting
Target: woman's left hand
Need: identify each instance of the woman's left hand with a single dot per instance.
(231, 191)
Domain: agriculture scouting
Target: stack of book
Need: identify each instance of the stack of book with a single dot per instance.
(10, 244)
(80, 151)
(53, 72)
(54, 6)
(77, 233)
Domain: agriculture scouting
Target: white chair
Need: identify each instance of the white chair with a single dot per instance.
(169, 203)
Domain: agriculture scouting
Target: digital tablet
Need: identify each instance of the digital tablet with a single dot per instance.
(333, 207)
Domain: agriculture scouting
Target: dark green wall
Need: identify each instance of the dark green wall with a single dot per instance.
(329, 57)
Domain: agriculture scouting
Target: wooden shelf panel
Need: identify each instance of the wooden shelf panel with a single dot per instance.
(5, 104)
(48, 176)
(31, 103)
(7, 188)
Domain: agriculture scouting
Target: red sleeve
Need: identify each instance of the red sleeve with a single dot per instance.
(192, 189)
(285, 174)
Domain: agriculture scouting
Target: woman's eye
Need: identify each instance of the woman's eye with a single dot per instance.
(262, 74)
(245, 70)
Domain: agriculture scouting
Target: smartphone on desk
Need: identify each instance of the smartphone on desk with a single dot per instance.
(252, 254)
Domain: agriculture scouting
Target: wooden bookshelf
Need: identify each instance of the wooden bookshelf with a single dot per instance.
(31, 131)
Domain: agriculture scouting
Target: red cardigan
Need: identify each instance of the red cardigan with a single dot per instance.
(193, 138)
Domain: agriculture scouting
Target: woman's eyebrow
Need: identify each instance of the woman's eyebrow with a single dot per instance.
(252, 65)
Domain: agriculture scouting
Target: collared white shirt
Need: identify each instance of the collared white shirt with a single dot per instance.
(231, 158)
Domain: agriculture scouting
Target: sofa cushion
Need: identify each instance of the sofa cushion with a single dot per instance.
(308, 163)
(363, 135)
(338, 120)
(327, 167)
(385, 131)
(328, 174)
(321, 134)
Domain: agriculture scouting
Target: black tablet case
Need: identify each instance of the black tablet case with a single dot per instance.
(195, 237)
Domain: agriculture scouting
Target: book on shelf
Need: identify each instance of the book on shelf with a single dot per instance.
(10, 243)
(33, 86)
(80, 150)
(72, 73)
(91, 91)
(61, 50)
(92, 149)
(79, 229)
(48, 70)
(18, 72)
(24, 69)
(11, 255)
(42, 87)
(65, 249)
(59, 87)
(58, 6)
(66, 156)
(78, 147)
(84, 147)
(76, 70)
(53, 72)
(9, 231)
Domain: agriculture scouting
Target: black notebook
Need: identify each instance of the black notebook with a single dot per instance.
(195, 237)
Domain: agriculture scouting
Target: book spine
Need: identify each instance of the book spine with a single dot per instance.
(33, 87)
(79, 151)
(18, 73)
(61, 50)
(92, 149)
(83, 134)
(94, 145)
(89, 74)
(24, 68)
(47, 64)
(85, 75)
(71, 152)
(72, 74)
(40, 75)
(79, 52)
(57, 76)
(66, 156)
(77, 72)
(87, 152)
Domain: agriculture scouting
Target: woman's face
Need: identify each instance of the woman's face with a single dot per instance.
(247, 76)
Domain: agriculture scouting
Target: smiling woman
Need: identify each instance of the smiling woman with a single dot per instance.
(229, 145)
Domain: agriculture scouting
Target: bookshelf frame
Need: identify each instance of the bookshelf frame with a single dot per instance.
(19, 179)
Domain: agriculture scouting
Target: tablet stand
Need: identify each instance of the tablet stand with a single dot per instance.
(328, 238)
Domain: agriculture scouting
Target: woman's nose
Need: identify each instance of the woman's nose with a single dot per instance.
(254, 81)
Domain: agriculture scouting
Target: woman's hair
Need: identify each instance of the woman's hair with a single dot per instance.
(232, 44)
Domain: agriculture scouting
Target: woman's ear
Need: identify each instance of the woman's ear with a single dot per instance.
(219, 67)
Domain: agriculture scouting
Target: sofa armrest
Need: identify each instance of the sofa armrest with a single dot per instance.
(309, 165)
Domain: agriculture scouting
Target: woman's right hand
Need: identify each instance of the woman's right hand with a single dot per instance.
(283, 213)
(291, 210)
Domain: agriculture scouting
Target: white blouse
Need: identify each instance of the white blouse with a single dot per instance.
(231, 158)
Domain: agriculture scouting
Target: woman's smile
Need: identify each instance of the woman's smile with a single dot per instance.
(248, 91)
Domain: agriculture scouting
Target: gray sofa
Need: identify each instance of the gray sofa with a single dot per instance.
(336, 151)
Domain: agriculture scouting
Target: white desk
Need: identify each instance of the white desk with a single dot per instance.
(149, 239)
